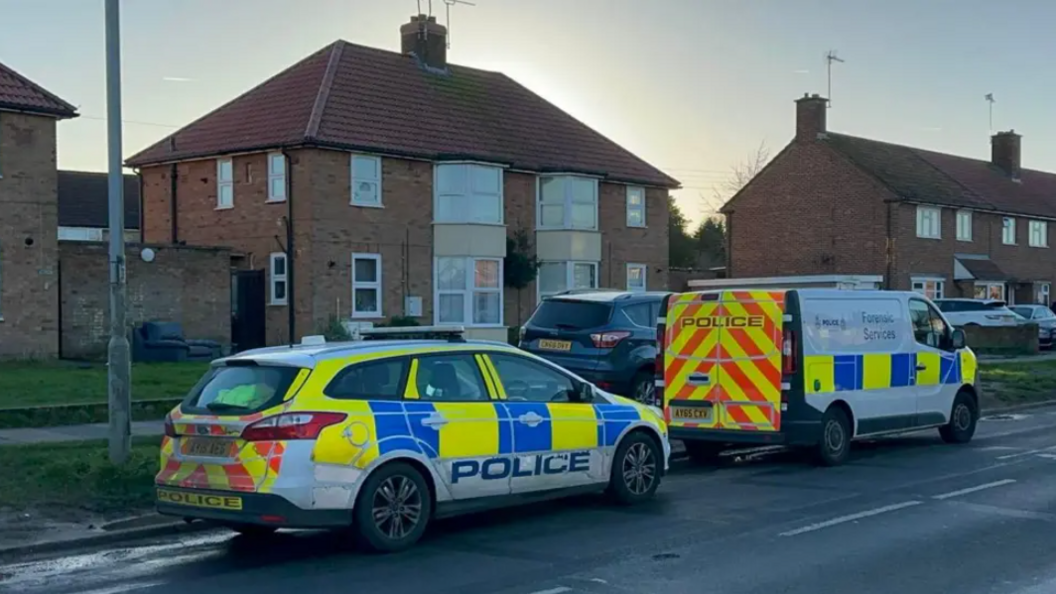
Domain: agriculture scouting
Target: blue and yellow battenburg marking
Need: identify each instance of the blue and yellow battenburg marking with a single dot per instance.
(881, 371)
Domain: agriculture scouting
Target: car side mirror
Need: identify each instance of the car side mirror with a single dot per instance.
(957, 339)
(585, 392)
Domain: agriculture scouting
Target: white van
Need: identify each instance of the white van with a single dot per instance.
(811, 368)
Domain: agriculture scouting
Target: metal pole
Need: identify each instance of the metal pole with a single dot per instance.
(119, 366)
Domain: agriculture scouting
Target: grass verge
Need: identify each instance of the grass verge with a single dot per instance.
(78, 476)
(24, 384)
(1009, 384)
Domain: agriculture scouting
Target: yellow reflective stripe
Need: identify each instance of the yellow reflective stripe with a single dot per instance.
(484, 371)
(500, 390)
(298, 381)
(411, 391)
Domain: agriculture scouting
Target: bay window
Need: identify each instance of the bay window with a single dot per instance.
(468, 291)
(555, 277)
(567, 202)
(468, 193)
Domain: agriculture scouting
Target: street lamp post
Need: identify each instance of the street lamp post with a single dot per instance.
(119, 365)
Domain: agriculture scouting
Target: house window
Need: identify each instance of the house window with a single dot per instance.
(928, 222)
(468, 193)
(1008, 231)
(469, 291)
(276, 177)
(225, 183)
(636, 277)
(555, 277)
(635, 206)
(366, 285)
(568, 202)
(1043, 294)
(964, 225)
(366, 180)
(932, 288)
(994, 291)
(80, 234)
(1039, 234)
(278, 279)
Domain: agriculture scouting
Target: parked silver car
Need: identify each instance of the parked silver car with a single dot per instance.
(978, 312)
(1043, 317)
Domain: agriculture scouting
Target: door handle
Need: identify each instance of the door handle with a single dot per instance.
(531, 419)
(922, 367)
(700, 379)
(434, 420)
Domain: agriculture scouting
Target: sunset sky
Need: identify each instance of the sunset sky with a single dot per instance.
(691, 86)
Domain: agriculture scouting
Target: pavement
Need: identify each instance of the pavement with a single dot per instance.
(74, 433)
(909, 515)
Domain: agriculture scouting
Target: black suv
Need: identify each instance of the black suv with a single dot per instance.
(606, 337)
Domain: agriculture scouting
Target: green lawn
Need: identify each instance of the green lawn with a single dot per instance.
(40, 384)
(78, 475)
(1006, 384)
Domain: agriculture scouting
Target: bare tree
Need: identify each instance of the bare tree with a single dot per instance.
(740, 175)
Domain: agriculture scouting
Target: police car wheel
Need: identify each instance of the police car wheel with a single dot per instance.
(835, 444)
(393, 508)
(963, 419)
(636, 469)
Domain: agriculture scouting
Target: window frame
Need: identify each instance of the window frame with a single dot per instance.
(1043, 228)
(987, 285)
(576, 383)
(964, 225)
(375, 285)
(645, 278)
(474, 358)
(274, 176)
(468, 292)
(274, 279)
(468, 193)
(567, 202)
(938, 281)
(1008, 230)
(1047, 302)
(570, 275)
(401, 389)
(221, 183)
(377, 181)
(630, 209)
(925, 213)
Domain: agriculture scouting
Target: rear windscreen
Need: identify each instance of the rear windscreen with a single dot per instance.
(239, 390)
(571, 315)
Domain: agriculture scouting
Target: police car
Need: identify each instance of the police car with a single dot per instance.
(396, 428)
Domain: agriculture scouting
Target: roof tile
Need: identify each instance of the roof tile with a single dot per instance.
(21, 94)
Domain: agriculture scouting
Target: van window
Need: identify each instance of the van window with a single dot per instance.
(928, 327)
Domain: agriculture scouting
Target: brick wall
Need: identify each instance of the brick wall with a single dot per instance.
(191, 286)
(519, 195)
(1003, 340)
(809, 212)
(622, 245)
(28, 244)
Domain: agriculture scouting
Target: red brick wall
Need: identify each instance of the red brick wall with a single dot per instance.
(29, 293)
(809, 212)
(519, 196)
(191, 286)
(622, 245)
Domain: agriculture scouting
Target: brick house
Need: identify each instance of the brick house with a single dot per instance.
(29, 291)
(401, 177)
(84, 209)
(940, 224)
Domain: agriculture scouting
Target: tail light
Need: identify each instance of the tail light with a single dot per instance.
(170, 428)
(608, 340)
(288, 426)
(788, 353)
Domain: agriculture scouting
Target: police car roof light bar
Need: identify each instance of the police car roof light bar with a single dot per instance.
(451, 333)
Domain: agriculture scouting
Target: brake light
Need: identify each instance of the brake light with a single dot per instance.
(788, 353)
(288, 426)
(170, 428)
(608, 340)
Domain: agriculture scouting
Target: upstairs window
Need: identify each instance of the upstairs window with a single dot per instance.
(1039, 234)
(964, 225)
(468, 193)
(635, 206)
(929, 221)
(568, 202)
(225, 183)
(366, 180)
(276, 177)
(1008, 231)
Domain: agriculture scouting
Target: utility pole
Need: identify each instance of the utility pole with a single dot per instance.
(990, 99)
(830, 57)
(119, 366)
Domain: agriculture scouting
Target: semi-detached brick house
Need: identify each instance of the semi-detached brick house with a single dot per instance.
(29, 294)
(402, 176)
(940, 224)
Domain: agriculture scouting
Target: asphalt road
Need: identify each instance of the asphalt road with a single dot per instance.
(908, 515)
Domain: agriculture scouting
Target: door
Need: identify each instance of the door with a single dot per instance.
(472, 440)
(937, 367)
(555, 438)
(691, 355)
(247, 310)
(750, 336)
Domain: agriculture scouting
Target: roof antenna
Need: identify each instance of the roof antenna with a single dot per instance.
(449, 4)
(831, 57)
(990, 99)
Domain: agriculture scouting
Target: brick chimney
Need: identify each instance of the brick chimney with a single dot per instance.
(1004, 152)
(810, 116)
(425, 38)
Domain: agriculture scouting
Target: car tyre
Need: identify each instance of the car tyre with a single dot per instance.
(393, 509)
(703, 453)
(636, 469)
(253, 530)
(834, 446)
(964, 417)
(643, 388)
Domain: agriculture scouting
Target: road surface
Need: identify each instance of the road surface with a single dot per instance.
(908, 515)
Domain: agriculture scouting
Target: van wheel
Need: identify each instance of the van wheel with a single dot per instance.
(835, 444)
(703, 453)
(644, 388)
(393, 508)
(964, 416)
(636, 470)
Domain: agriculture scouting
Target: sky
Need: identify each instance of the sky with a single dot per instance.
(692, 86)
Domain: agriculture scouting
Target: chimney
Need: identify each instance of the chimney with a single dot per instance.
(426, 39)
(810, 116)
(1004, 152)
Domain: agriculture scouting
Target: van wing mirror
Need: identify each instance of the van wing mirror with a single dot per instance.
(957, 339)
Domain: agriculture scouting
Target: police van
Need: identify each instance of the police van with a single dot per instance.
(810, 368)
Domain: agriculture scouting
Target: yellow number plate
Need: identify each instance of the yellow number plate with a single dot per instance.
(555, 345)
(227, 502)
(694, 414)
(208, 447)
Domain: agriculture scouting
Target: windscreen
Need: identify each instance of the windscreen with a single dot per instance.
(567, 314)
(239, 390)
